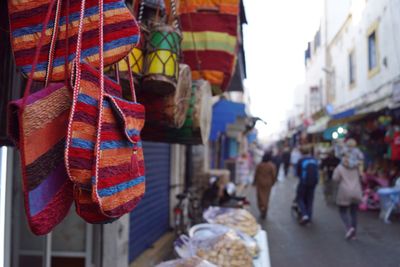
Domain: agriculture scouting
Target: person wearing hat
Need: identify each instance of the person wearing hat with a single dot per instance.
(307, 172)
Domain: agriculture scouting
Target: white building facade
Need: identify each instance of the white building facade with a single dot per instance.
(353, 61)
(363, 61)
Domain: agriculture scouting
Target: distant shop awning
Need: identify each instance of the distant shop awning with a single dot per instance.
(355, 114)
(319, 125)
(345, 117)
(345, 120)
(225, 112)
(345, 114)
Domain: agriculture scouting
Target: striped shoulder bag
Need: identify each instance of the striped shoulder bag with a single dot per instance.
(104, 156)
(121, 33)
(38, 125)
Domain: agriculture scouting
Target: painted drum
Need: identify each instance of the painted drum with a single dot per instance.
(161, 64)
(197, 125)
(169, 110)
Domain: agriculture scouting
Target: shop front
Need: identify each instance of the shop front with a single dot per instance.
(376, 129)
(151, 219)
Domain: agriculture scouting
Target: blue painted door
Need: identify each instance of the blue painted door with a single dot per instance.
(150, 219)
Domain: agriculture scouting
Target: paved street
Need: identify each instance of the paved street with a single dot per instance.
(322, 244)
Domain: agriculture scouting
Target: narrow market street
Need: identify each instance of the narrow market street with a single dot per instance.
(322, 243)
(138, 133)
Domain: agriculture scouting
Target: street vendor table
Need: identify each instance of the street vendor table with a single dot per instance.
(263, 259)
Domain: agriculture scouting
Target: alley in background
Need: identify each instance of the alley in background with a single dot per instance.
(323, 243)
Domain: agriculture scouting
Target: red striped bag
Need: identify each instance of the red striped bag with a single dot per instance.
(82, 132)
(121, 33)
(104, 155)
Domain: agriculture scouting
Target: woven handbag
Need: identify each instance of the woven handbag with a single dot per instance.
(80, 155)
(37, 124)
(121, 33)
(103, 153)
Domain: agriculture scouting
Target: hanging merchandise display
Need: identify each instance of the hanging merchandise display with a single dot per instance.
(210, 41)
(37, 124)
(136, 56)
(392, 137)
(163, 49)
(169, 110)
(121, 33)
(103, 126)
(66, 142)
(196, 128)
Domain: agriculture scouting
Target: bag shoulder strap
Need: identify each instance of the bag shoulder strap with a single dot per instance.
(37, 52)
(49, 71)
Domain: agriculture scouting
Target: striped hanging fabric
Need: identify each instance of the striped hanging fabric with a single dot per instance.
(210, 39)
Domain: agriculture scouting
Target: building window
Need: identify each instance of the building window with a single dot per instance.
(315, 99)
(307, 53)
(373, 51)
(317, 40)
(352, 68)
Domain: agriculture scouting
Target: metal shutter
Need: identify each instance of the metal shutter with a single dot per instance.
(150, 219)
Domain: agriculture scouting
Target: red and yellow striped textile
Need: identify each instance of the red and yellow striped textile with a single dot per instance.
(221, 6)
(210, 39)
(121, 33)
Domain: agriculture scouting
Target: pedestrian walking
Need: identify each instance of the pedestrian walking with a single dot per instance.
(327, 166)
(286, 159)
(349, 194)
(264, 179)
(307, 172)
(295, 156)
(277, 159)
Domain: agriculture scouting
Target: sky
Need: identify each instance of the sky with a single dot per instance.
(275, 40)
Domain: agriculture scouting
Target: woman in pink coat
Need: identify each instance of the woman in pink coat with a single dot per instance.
(349, 194)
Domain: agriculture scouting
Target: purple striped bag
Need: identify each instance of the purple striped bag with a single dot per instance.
(38, 128)
(37, 124)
